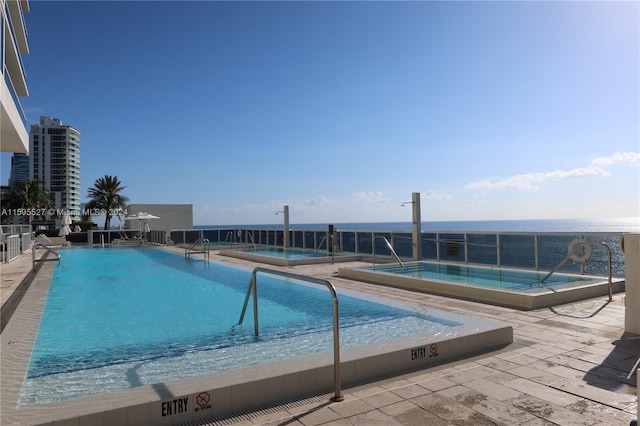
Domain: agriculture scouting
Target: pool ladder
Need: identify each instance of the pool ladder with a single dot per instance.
(253, 288)
(204, 242)
(48, 249)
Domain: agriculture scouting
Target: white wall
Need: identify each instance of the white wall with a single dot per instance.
(171, 216)
(630, 245)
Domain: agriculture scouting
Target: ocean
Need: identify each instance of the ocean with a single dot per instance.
(614, 225)
(551, 246)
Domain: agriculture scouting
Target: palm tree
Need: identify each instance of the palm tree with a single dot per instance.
(31, 197)
(105, 196)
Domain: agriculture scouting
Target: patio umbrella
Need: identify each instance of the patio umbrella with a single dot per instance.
(65, 229)
(143, 217)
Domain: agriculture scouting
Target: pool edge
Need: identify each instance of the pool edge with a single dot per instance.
(268, 384)
(498, 297)
(276, 261)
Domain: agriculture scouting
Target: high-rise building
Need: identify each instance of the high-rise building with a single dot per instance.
(19, 169)
(55, 161)
(13, 44)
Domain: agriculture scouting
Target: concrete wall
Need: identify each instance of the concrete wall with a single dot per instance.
(171, 216)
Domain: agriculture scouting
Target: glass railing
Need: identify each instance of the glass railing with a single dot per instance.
(542, 251)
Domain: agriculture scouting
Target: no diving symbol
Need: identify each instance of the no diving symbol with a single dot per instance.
(433, 349)
(203, 399)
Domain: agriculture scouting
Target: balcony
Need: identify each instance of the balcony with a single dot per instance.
(14, 134)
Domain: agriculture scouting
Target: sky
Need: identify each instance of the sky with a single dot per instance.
(341, 110)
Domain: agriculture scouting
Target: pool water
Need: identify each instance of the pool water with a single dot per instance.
(510, 279)
(116, 318)
(285, 253)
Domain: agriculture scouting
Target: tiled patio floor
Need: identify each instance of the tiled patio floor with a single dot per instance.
(568, 365)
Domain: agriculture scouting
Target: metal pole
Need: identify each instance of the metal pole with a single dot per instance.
(255, 302)
(337, 394)
(286, 226)
(417, 224)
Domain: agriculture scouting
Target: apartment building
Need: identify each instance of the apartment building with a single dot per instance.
(19, 169)
(55, 161)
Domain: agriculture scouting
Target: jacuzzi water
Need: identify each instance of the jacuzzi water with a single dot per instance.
(117, 318)
(286, 253)
(509, 279)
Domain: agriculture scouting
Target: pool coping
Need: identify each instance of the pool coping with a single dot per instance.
(229, 391)
(277, 261)
(500, 297)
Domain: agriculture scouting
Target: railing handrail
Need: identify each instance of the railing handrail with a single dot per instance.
(205, 248)
(253, 286)
(390, 248)
(320, 244)
(582, 243)
(252, 240)
(47, 248)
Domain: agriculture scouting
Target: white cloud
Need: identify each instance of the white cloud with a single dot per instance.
(632, 158)
(371, 197)
(436, 196)
(533, 180)
(317, 201)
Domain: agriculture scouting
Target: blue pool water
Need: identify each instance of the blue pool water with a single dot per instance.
(117, 318)
(286, 253)
(509, 279)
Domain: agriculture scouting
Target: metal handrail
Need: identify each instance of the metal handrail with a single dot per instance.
(582, 244)
(320, 244)
(252, 241)
(49, 250)
(229, 238)
(373, 247)
(205, 248)
(253, 287)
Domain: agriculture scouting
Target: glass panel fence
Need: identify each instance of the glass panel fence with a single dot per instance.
(538, 251)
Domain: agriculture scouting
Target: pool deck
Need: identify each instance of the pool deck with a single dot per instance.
(568, 365)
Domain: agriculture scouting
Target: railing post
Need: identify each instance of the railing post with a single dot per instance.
(535, 252)
(466, 248)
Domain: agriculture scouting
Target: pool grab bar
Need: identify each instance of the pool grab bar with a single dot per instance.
(191, 249)
(253, 287)
(581, 244)
(250, 235)
(229, 238)
(49, 250)
(320, 245)
(390, 248)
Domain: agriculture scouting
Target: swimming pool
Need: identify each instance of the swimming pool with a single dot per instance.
(516, 288)
(280, 256)
(113, 311)
(144, 327)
